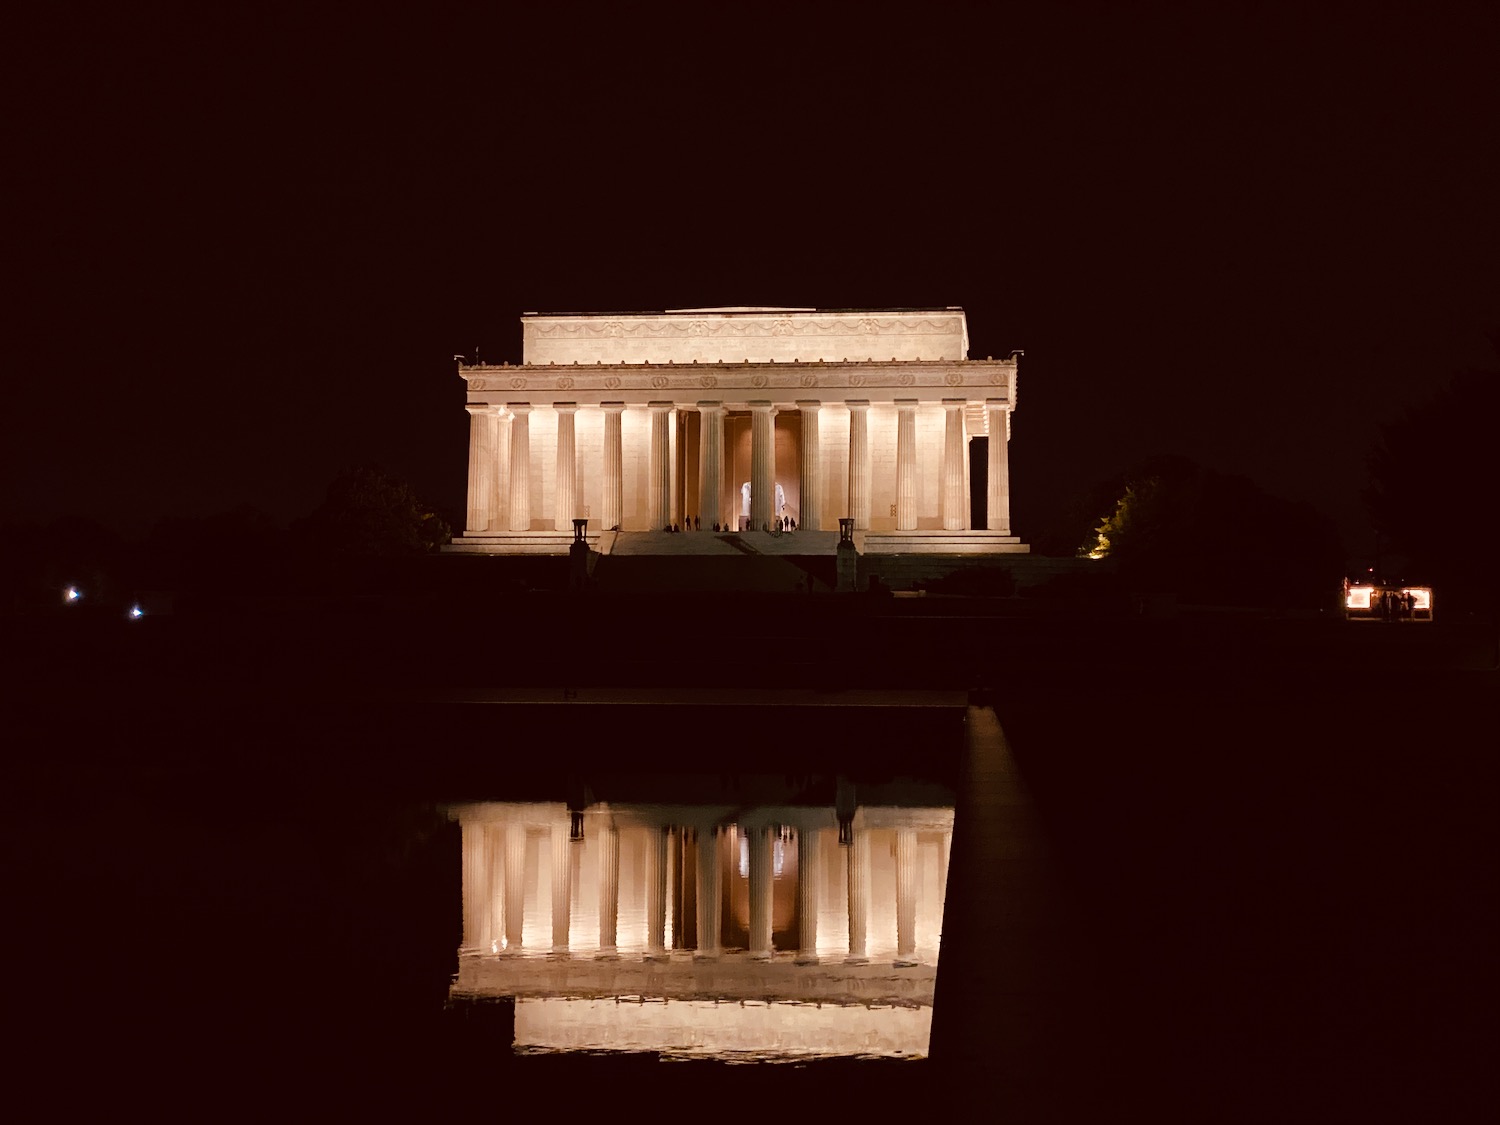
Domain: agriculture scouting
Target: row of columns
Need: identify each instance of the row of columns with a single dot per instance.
(500, 436)
(482, 863)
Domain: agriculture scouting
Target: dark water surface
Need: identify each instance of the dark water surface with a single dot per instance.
(1252, 875)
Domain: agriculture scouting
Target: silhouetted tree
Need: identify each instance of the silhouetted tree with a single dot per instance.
(38, 559)
(368, 513)
(1177, 527)
(1432, 478)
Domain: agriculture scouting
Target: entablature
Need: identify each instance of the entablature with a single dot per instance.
(589, 384)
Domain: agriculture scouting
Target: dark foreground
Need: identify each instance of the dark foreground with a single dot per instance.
(1257, 881)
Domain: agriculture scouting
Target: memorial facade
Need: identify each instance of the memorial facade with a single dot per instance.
(742, 418)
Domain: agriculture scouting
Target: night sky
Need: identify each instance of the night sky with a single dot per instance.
(243, 253)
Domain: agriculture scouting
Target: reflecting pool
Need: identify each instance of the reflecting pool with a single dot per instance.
(767, 932)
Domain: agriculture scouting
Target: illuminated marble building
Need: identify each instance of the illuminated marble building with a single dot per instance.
(739, 417)
(706, 917)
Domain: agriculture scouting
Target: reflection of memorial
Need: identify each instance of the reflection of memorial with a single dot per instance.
(774, 929)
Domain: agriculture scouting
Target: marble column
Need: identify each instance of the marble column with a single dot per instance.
(998, 495)
(761, 888)
(520, 467)
(906, 465)
(762, 464)
(955, 496)
(612, 504)
(906, 896)
(710, 461)
(859, 894)
(481, 467)
(562, 884)
(859, 464)
(656, 892)
(809, 871)
(810, 472)
(500, 481)
(565, 485)
(659, 483)
(609, 889)
(475, 886)
(515, 885)
(709, 906)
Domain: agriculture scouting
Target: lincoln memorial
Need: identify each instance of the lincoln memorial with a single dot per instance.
(750, 419)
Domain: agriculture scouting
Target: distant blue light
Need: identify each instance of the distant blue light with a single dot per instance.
(136, 611)
(72, 594)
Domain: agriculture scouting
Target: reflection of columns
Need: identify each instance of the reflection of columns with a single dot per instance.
(999, 482)
(709, 906)
(609, 888)
(520, 467)
(515, 884)
(760, 892)
(808, 873)
(810, 476)
(762, 464)
(562, 871)
(500, 481)
(859, 464)
(955, 502)
(565, 487)
(943, 855)
(906, 465)
(612, 504)
(659, 485)
(710, 460)
(906, 896)
(656, 890)
(494, 887)
(859, 893)
(481, 466)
